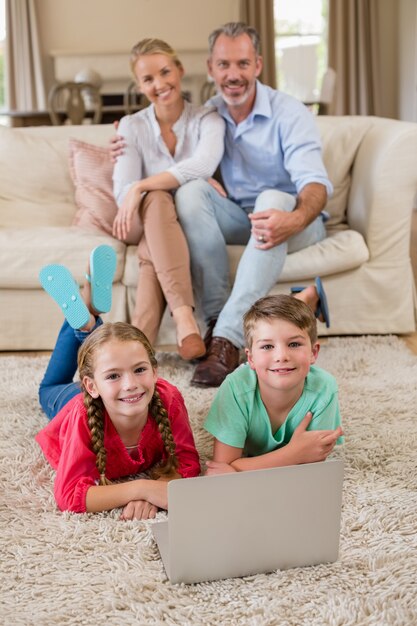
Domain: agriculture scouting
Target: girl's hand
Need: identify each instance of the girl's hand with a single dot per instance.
(123, 220)
(310, 446)
(138, 509)
(215, 467)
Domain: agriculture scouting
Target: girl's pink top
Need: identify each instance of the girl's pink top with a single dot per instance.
(66, 443)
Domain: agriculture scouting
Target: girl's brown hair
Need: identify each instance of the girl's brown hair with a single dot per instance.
(152, 46)
(121, 331)
(280, 307)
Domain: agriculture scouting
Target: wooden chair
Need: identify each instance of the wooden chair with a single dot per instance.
(208, 90)
(133, 100)
(73, 102)
(327, 92)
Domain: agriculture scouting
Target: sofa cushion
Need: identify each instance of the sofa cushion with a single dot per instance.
(91, 171)
(339, 252)
(341, 138)
(35, 185)
(23, 252)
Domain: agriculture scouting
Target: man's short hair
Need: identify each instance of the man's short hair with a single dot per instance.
(280, 307)
(235, 29)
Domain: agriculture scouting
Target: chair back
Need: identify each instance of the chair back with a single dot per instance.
(73, 102)
(133, 100)
(327, 91)
(208, 90)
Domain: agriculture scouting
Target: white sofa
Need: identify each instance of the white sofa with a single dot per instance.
(364, 262)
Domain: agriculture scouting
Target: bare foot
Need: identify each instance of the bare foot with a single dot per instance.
(309, 296)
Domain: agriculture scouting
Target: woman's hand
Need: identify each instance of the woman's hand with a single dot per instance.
(124, 218)
(138, 509)
(217, 186)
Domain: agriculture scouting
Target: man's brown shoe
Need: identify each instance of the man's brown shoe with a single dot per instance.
(222, 358)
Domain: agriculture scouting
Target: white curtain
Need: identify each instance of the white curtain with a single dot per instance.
(24, 74)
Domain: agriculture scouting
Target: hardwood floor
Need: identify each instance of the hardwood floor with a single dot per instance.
(410, 339)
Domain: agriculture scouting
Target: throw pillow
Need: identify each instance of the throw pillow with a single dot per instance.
(341, 138)
(91, 172)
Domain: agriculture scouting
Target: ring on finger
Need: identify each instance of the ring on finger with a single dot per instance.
(261, 239)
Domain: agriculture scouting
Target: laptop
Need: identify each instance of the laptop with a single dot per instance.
(251, 522)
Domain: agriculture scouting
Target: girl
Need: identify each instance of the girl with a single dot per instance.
(167, 144)
(125, 421)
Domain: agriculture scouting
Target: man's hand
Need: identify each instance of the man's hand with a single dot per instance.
(217, 186)
(138, 509)
(124, 218)
(117, 144)
(311, 446)
(215, 467)
(272, 227)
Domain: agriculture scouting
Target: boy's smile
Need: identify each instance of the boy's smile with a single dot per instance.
(281, 354)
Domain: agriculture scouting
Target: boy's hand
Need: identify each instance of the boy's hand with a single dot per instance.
(310, 446)
(138, 509)
(215, 467)
(117, 144)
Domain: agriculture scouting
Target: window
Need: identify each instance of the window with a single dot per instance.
(301, 46)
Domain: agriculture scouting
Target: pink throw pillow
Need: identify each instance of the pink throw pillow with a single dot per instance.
(91, 172)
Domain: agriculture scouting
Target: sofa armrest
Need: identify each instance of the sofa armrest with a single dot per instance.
(383, 188)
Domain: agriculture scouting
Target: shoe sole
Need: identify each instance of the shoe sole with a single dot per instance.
(103, 263)
(59, 283)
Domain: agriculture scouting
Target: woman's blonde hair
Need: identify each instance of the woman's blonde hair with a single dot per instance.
(280, 307)
(120, 331)
(152, 46)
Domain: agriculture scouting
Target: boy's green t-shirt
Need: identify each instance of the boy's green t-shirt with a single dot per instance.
(238, 416)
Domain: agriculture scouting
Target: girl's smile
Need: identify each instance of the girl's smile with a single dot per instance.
(125, 380)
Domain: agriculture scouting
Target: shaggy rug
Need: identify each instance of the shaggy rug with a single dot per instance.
(94, 569)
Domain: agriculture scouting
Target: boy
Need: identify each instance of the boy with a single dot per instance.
(279, 408)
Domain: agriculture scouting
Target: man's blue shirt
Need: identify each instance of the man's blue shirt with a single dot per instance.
(276, 147)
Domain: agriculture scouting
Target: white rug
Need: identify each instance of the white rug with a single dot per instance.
(93, 569)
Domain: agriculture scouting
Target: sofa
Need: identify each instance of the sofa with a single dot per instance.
(51, 196)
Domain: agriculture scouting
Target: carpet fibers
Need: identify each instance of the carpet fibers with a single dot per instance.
(61, 568)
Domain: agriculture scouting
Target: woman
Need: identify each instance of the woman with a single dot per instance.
(167, 144)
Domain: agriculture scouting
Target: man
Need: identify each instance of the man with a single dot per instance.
(276, 187)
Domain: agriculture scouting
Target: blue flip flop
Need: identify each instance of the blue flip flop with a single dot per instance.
(322, 306)
(103, 263)
(58, 282)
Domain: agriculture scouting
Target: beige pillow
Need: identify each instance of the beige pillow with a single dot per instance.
(91, 172)
(341, 138)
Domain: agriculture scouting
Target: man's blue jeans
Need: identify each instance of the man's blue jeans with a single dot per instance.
(58, 386)
(210, 222)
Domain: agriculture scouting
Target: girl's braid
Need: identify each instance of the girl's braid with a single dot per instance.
(95, 420)
(159, 413)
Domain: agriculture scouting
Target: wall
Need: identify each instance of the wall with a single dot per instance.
(114, 26)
